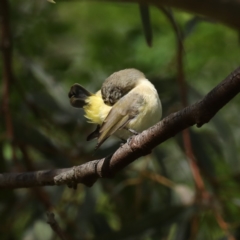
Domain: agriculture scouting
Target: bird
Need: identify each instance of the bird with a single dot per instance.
(126, 104)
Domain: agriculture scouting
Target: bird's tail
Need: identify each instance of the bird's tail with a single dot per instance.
(78, 96)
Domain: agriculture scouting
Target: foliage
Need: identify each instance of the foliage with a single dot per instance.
(56, 45)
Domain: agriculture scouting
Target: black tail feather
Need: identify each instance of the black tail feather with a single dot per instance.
(78, 95)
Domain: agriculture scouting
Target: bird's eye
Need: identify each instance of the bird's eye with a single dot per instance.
(111, 100)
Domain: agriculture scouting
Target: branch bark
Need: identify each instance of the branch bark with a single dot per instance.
(199, 113)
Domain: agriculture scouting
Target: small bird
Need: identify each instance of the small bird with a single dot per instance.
(126, 104)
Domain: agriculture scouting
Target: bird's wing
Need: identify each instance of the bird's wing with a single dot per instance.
(121, 113)
(94, 134)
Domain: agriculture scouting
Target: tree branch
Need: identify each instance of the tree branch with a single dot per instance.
(226, 12)
(183, 91)
(55, 226)
(199, 113)
(223, 11)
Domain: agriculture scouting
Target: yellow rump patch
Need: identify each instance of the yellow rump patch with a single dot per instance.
(95, 109)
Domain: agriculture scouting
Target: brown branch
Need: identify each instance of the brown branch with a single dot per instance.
(199, 183)
(226, 12)
(199, 113)
(201, 194)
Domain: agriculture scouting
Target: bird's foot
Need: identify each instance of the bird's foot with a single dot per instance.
(132, 131)
(145, 151)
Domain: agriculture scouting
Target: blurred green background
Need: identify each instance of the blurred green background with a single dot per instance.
(57, 45)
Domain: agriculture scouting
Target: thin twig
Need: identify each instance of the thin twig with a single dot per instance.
(54, 225)
(158, 178)
(183, 95)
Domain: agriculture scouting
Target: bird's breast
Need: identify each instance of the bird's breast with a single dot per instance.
(149, 112)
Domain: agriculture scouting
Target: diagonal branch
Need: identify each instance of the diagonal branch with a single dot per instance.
(198, 113)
